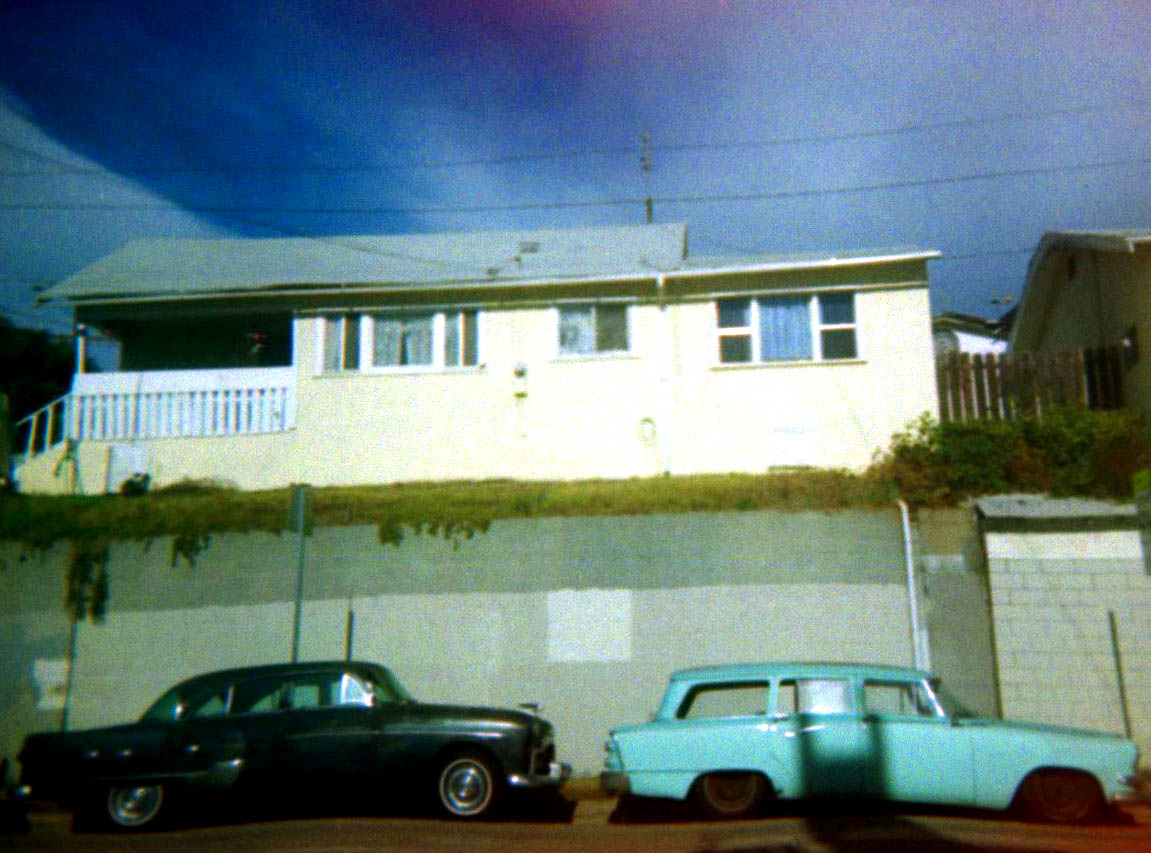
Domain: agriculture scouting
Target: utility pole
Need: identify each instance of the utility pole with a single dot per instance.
(645, 167)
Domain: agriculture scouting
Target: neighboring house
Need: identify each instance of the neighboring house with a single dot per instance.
(951, 332)
(1091, 289)
(564, 354)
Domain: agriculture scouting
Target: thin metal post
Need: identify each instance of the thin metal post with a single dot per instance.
(74, 631)
(1118, 659)
(300, 519)
(349, 631)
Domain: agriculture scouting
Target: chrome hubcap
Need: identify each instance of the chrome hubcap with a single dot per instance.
(466, 787)
(134, 806)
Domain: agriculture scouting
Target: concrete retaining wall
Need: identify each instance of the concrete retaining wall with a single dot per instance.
(585, 615)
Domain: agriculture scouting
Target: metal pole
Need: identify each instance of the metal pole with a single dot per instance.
(349, 631)
(74, 630)
(920, 651)
(299, 500)
(1117, 658)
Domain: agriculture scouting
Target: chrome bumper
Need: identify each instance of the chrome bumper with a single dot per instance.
(614, 782)
(557, 774)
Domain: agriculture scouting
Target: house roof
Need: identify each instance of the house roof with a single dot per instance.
(1119, 240)
(172, 269)
(967, 323)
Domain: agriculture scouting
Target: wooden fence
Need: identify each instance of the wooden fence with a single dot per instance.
(1004, 387)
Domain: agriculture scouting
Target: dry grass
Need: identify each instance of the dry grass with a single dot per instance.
(451, 509)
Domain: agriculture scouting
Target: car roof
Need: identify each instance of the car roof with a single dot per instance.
(797, 669)
(282, 669)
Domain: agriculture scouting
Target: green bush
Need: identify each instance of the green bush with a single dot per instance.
(1067, 451)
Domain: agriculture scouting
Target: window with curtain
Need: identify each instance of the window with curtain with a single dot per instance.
(402, 340)
(820, 327)
(398, 340)
(341, 343)
(592, 329)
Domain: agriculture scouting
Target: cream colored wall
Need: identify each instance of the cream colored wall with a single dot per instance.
(575, 418)
(670, 406)
(751, 417)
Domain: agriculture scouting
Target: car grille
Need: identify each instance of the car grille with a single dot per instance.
(543, 759)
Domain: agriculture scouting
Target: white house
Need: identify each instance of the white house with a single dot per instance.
(954, 332)
(562, 354)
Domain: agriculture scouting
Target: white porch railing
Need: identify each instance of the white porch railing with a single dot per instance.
(164, 404)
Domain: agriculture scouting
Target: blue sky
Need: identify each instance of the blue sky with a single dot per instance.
(967, 127)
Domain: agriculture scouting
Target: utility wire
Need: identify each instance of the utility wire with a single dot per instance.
(543, 156)
(701, 198)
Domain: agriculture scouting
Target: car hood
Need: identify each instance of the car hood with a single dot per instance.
(1037, 728)
(472, 715)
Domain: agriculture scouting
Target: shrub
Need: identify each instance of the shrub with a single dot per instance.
(1067, 451)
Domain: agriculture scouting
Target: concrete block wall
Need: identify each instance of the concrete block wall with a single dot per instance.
(1052, 592)
(585, 615)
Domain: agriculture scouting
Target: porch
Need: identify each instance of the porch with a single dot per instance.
(157, 404)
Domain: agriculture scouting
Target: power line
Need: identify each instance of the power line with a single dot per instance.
(581, 203)
(543, 156)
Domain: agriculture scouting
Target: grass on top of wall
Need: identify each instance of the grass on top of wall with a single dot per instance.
(193, 511)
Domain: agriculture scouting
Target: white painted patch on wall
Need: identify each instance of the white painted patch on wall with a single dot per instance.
(589, 625)
(50, 678)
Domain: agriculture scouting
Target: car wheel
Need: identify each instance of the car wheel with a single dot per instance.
(727, 796)
(134, 806)
(469, 786)
(1061, 796)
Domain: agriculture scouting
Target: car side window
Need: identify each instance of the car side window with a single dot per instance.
(902, 699)
(746, 699)
(258, 695)
(814, 696)
(212, 703)
(327, 689)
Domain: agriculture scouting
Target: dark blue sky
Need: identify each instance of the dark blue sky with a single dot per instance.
(967, 127)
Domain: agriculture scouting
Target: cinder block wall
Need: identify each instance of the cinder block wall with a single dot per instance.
(1052, 590)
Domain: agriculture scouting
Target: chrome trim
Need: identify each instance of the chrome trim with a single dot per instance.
(558, 773)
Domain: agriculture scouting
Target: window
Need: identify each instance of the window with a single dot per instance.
(341, 343)
(402, 340)
(725, 700)
(258, 695)
(786, 328)
(592, 329)
(897, 698)
(814, 696)
(391, 340)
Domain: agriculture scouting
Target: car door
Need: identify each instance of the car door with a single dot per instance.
(258, 712)
(820, 737)
(329, 726)
(206, 737)
(915, 754)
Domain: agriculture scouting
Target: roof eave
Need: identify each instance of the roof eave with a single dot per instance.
(310, 289)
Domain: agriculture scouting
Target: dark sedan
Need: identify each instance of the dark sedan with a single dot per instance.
(322, 727)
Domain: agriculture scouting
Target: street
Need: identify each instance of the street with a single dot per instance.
(595, 825)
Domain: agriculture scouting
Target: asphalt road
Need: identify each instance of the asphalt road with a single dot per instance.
(595, 825)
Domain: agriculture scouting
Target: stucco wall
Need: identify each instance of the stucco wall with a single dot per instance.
(587, 616)
(667, 406)
(1051, 593)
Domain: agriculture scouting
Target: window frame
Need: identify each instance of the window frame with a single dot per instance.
(595, 306)
(440, 362)
(751, 330)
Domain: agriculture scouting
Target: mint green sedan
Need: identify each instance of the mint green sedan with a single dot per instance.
(731, 737)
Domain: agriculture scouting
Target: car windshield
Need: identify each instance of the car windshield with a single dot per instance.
(952, 707)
